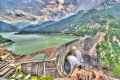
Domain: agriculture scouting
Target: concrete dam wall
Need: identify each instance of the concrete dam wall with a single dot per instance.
(41, 68)
(55, 65)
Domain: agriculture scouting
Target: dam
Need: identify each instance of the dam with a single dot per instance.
(63, 60)
(73, 57)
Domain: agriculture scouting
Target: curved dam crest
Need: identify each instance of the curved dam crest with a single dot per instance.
(61, 63)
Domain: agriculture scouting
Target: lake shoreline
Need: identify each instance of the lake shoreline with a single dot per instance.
(48, 34)
(6, 43)
(10, 51)
(47, 51)
(28, 44)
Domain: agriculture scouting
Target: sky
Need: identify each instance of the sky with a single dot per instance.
(33, 11)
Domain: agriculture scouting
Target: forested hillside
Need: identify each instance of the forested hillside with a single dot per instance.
(5, 27)
(59, 26)
(73, 23)
(3, 40)
(35, 28)
(108, 51)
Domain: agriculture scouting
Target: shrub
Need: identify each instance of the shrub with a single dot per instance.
(117, 69)
(0, 59)
(103, 28)
(33, 77)
(11, 77)
(45, 78)
(98, 46)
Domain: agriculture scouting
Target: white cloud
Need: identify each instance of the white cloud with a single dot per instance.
(57, 10)
(44, 10)
(41, 1)
(19, 16)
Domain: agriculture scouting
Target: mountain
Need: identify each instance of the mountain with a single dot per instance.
(4, 27)
(21, 25)
(58, 26)
(107, 4)
(34, 28)
(72, 23)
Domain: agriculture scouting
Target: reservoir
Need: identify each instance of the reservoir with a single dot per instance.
(29, 43)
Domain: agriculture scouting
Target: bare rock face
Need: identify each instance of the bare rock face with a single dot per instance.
(88, 48)
(88, 44)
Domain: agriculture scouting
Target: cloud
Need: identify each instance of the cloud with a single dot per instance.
(26, 1)
(41, 1)
(56, 10)
(43, 10)
(59, 9)
(19, 16)
(8, 12)
(20, 13)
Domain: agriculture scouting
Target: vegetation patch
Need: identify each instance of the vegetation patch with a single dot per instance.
(3, 40)
(109, 49)
(18, 72)
(45, 78)
(0, 59)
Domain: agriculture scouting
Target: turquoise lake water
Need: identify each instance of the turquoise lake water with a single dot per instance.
(29, 43)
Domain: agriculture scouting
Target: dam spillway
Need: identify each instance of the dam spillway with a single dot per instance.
(78, 54)
(72, 61)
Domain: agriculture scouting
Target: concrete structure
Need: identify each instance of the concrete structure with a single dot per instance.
(54, 65)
